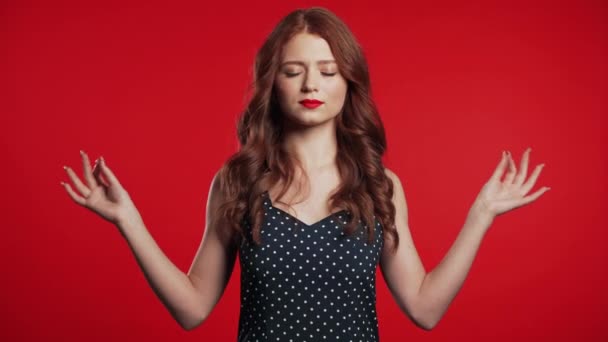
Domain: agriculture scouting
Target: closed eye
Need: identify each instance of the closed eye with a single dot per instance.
(296, 74)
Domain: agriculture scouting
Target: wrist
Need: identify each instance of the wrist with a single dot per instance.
(129, 224)
(480, 215)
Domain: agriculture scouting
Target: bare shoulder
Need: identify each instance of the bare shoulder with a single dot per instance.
(400, 203)
(390, 174)
(215, 220)
(215, 197)
(397, 186)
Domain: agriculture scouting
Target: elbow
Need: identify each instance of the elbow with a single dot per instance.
(193, 316)
(426, 324)
(187, 326)
(191, 320)
(190, 324)
(427, 319)
(421, 316)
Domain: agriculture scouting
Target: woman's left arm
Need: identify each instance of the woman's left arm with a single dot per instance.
(436, 289)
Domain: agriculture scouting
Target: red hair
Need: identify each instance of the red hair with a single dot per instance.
(365, 192)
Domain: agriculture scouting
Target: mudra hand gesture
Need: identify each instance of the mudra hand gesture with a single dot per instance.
(106, 197)
(498, 197)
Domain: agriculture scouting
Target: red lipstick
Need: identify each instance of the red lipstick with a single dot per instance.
(311, 103)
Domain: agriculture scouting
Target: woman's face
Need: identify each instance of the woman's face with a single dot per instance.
(308, 71)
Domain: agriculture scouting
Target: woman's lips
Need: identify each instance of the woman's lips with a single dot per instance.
(311, 103)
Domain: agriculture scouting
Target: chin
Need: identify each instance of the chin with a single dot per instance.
(317, 121)
(300, 116)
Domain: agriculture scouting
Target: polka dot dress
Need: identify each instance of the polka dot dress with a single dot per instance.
(308, 282)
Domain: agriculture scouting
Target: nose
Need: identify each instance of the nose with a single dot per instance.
(310, 83)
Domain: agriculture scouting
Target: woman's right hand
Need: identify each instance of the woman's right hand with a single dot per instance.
(105, 197)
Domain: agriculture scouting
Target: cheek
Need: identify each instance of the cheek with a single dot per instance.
(338, 91)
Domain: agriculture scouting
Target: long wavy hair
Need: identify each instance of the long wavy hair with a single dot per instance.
(261, 161)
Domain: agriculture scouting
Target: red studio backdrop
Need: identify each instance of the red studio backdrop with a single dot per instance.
(156, 88)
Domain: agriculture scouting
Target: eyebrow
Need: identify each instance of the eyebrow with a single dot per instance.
(325, 61)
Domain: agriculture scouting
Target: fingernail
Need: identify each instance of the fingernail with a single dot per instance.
(65, 167)
(81, 152)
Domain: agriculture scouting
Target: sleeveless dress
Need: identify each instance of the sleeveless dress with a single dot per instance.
(308, 282)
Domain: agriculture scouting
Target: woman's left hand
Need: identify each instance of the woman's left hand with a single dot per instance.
(498, 197)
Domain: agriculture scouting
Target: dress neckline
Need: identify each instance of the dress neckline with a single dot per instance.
(298, 221)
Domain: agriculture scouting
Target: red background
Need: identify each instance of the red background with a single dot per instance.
(156, 89)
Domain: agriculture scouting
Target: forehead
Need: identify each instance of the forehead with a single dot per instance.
(306, 47)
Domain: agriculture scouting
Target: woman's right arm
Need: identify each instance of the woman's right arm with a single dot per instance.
(190, 298)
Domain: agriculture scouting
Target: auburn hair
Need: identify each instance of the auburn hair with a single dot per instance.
(261, 161)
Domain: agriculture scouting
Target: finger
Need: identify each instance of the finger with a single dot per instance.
(534, 196)
(112, 180)
(83, 189)
(532, 180)
(88, 175)
(500, 169)
(512, 170)
(77, 198)
(97, 174)
(523, 171)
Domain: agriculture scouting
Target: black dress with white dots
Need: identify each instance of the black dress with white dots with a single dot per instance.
(308, 282)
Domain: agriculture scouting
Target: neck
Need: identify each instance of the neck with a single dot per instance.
(314, 147)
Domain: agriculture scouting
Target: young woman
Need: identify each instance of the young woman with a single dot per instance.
(307, 204)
